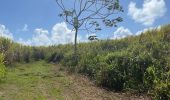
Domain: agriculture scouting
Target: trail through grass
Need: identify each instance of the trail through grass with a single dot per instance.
(42, 81)
(36, 81)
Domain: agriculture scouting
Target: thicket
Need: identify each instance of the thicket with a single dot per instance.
(137, 63)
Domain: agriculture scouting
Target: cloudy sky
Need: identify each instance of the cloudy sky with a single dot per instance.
(36, 22)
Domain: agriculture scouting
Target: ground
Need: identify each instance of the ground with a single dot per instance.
(42, 81)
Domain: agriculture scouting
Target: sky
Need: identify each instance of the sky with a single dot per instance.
(36, 22)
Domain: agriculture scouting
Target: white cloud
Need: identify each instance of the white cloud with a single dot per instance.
(61, 34)
(4, 32)
(25, 28)
(150, 11)
(28, 42)
(41, 37)
(122, 32)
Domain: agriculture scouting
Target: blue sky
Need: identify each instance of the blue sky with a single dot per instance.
(36, 22)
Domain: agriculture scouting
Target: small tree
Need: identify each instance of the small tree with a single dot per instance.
(89, 15)
(93, 38)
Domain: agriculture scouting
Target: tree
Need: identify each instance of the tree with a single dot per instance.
(89, 15)
(93, 38)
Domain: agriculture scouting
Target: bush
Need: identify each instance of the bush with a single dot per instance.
(113, 75)
(56, 57)
(158, 86)
(150, 78)
(2, 68)
(89, 67)
(162, 91)
(69, 61)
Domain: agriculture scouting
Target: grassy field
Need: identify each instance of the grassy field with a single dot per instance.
(42, 81)
(34, 81)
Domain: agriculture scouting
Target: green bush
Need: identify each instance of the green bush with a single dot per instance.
(162, 91)
(2, 67)
(88, 67)
(150, 78)
(113, 75)
(158, 87)
(56, 57)
(69, 61)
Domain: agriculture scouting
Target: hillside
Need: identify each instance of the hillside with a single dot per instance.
(137, 64)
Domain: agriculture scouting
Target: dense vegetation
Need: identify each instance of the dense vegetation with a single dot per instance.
(2, 68)
(137, 64)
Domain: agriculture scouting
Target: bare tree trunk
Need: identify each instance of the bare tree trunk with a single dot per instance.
(75, 46)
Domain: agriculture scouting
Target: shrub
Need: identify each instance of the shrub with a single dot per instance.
(69, 61)
(89, 67)
(113, 75)
(55, 57)
(2, 67)
(150, 78)
(158, 86)
(162, 91)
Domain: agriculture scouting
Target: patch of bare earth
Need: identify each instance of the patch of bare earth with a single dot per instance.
(81, 88)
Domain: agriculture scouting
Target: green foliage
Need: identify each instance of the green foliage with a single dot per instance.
(134, 63)
(150, 78)
(71, 62)
(86, 66)
(159, 86)
(15, 52)
(114, 74)
(2, 67)
(162, 91)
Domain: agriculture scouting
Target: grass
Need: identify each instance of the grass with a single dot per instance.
(36, 81)
(43, 81)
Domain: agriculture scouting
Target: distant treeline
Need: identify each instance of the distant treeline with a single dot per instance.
(139, 64)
